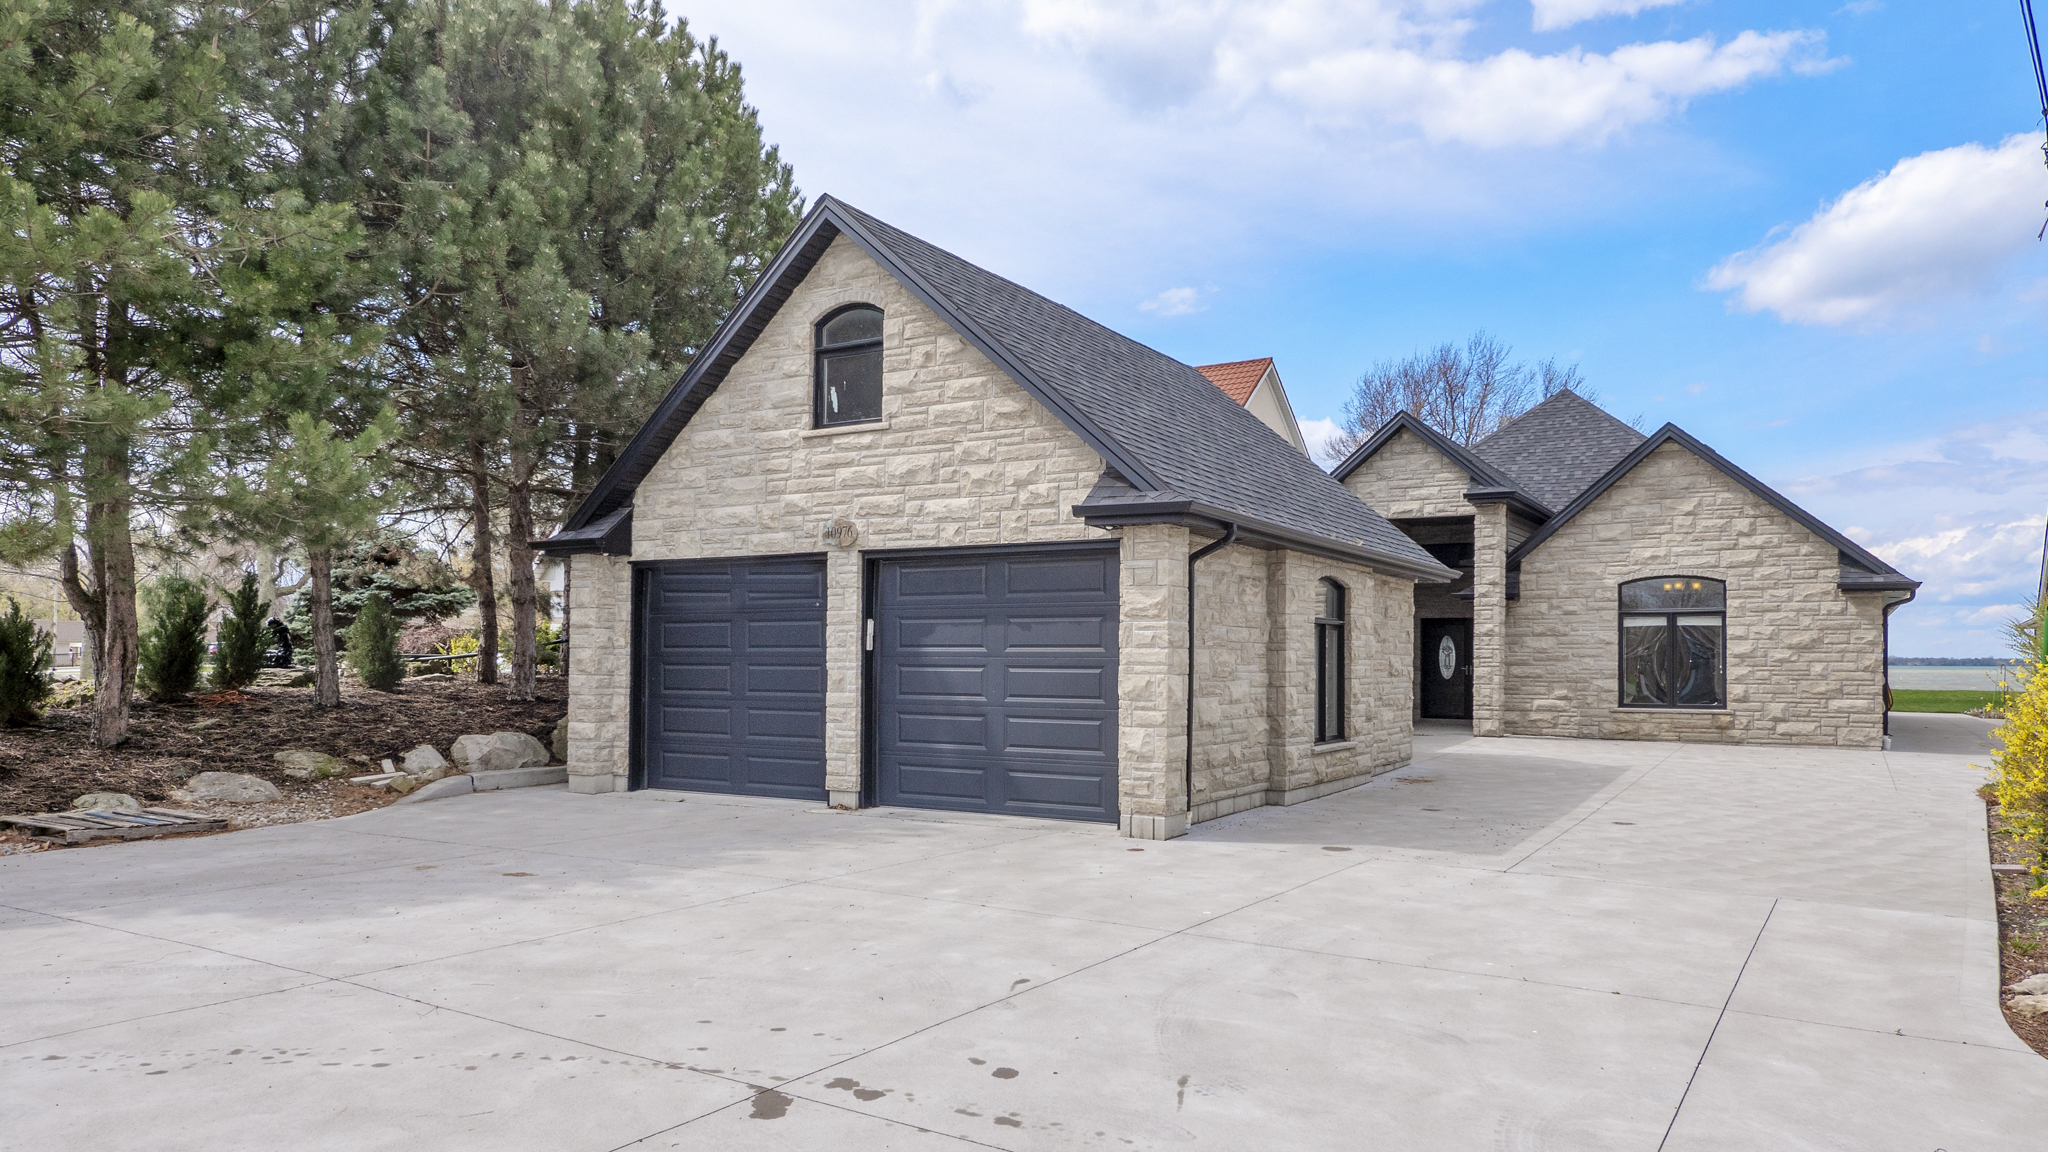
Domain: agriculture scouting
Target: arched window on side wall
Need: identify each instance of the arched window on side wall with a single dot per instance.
(1674, 643)
(847, 387)
(1329, 662)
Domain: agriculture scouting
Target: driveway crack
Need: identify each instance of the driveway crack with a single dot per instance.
(1697, 1064)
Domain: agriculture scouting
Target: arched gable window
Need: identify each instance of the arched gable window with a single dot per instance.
(1674, 643)
(1329, 661)
(847, 387)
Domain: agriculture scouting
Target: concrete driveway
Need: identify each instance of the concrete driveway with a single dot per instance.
(1510, 945)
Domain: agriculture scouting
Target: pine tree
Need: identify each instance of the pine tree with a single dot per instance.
(24, 663)
(373, 646)
(240, 643)
(173, 650)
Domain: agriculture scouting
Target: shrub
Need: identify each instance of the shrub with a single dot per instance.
(2019, 776)
(239, 648)
(24, 653)
(373, 645)
(457, 646)
(174, 647)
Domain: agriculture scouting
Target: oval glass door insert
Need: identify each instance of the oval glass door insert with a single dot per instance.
(1447, 657)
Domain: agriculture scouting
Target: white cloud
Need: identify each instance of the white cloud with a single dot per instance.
(1938, 226)
(1554, 14)
(1395, 64)
(1175, 302)
(1321, 435)
(1961, 511)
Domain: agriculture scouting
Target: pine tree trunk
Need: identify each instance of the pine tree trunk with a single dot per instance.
(326, 668)
(107, 605)
(480, 577)
(525, 602)
(568, 595)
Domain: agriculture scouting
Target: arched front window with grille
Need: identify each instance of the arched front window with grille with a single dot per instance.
(1329, 662)
(1674, 643)
(848, 384)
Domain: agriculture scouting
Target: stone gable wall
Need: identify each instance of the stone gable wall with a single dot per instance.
(1805, 660)
(1408, 478)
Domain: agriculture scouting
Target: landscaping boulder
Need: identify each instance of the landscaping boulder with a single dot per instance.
(2030, 1005)
(231, 788)
(498, 750)
(106, 802)
(559, 745)
(2031, 986)
(426, 762)
(402, 784)
(299, 764)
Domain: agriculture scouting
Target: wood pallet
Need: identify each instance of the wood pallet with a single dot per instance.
(78, 827)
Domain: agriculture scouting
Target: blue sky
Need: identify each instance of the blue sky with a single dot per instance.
(1803, 232)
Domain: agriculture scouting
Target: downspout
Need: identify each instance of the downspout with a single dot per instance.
(1229, 535)
(1888, 610)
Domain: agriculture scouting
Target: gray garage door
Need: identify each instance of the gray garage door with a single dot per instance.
(996, 682)
(735, 677)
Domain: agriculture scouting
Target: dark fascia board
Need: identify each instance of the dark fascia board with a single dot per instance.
(737, 333)
(1485, 475)
(1166, 508)
(609, 535)
(1673, 434)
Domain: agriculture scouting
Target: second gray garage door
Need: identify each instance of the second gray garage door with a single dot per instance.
(996, 682)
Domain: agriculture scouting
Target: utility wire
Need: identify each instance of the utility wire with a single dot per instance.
(2040, 83)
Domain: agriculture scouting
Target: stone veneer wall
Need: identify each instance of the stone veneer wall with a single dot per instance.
(1805, 660)
(1407, 478)
(600, 671)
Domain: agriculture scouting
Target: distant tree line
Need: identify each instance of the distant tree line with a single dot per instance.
(284, 274)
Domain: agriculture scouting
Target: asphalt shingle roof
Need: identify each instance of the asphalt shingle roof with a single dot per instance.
(1557, 449)
(1195, 440)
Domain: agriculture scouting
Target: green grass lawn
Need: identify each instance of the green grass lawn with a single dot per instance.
(1940, 700)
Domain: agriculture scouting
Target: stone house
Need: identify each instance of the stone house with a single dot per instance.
(907, 533)
(1622, 586)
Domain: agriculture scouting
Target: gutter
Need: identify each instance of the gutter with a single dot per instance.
(1118, 513)
(1229, 537)
(1888, 610)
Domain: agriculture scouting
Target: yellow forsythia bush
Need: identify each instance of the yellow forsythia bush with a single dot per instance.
(2019, 777)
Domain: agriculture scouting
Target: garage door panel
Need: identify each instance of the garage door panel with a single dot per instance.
(927, 730)
(996, 683)
(922, 634)
(736, 677)
(1027, 632)
(929, 580)
(941, 682)
(964, 786)
(1053, 734)
(1091, 575)
(1048, 685)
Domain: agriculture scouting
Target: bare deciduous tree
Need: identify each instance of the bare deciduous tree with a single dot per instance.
(1465, 393)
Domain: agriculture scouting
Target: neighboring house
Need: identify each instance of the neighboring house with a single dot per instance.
(907, 533)
(1624, 586)
(1255, 384)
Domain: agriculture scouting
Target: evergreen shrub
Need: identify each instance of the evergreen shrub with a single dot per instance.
(174, 647)
(24, 654)
(373, 645)
(239, 648)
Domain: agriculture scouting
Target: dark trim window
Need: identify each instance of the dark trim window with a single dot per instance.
(1674, 643)
(847, 388)
(1329, 662)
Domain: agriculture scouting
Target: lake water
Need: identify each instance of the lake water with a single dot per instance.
(1982, 678)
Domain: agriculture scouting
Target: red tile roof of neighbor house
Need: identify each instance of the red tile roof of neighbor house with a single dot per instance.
(1238, 378)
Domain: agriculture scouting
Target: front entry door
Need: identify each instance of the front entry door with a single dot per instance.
(1447, 669)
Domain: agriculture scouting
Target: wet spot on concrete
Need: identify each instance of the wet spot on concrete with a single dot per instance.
(965, 1112)
(970, 1059)
(1134, 849)
(778, 1029)
(770, 1105)
(843, 1084)
(425, 867)
(1009, 1122)
(515, 873)
(1180, 1098)
(1016, 984)
(1004, 1073)
(1629, 823)
(1331, 848)
(869, 1093)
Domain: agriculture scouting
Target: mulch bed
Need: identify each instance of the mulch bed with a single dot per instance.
(45, 767)
(2022, 929)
